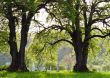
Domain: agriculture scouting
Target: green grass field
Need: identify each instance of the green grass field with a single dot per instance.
(4, 74)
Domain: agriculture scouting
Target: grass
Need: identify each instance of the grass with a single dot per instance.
(53, 74)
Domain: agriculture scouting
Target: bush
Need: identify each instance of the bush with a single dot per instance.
(4, 67)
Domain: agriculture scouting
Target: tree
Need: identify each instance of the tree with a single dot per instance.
(78, 18)
(25, 10)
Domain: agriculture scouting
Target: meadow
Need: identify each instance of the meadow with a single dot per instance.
(52, 74)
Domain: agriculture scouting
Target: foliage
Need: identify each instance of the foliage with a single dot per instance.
(99, 54)
(41, 49)
(3, 35)
(4, 41)
(4, 67)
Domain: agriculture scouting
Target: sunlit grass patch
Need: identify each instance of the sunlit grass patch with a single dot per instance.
(54, 74)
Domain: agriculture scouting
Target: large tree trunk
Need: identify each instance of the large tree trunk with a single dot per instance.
(81, 57)
(21, 55)
(78, 53)
(77, 44)
(26, 19)
(12, 41)
(85, 47)
(24, 34)
(22, 65)
(13, 48)
(81, 52)
(85, 56)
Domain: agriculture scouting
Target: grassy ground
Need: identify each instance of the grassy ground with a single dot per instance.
(4, 74)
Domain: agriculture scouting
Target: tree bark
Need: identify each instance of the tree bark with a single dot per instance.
(81, 57)
(85, 56)
(26, 19)
(85, 47)
(22, 65)
(78, 48)
(81, 52)
(23, 42)
(12, 41)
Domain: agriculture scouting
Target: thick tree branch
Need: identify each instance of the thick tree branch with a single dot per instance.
(61, 41)
(100, 1)
(91, 14)
(100, 19)
(99, 36)
(84, 13)
(106, 23)
(43, 5)
(97, 29)
(55, 27)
